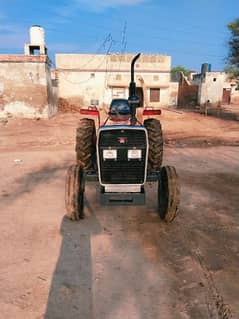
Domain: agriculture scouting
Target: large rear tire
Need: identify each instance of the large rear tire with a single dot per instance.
(74, 193)
(168, 194)
(155, 137)
(85, 143)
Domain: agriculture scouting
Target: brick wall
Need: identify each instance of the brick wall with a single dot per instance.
(187, 94)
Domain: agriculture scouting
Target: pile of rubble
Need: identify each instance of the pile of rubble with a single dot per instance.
(64, 106)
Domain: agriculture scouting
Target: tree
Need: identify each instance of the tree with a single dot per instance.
(233, 55)
(176, 73)
(180, 68)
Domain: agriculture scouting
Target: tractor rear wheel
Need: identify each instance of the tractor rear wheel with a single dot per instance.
(168, 194)
(85, 143)
(74, 192)
(155, 137)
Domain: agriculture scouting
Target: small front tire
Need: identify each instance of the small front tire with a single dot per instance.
(168, 194)
(74, 193)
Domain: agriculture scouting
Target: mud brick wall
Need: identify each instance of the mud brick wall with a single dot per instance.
(187, 94)
(25, 87)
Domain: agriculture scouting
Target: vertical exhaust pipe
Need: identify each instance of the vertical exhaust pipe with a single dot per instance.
(132, 85)
(133, 99)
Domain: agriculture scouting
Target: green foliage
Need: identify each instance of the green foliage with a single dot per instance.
(233, 43)
(234, 26)
(180, 68)
(233, 71)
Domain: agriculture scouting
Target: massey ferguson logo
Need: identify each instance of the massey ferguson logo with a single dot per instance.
(122, 140)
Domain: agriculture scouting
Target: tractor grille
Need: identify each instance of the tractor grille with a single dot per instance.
(122, 170)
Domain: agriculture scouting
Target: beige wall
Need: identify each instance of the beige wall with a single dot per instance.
(112, 61)
(25, 87)
(85, 77)
(173, 97)
(212, 87)
(213, 90)
(234, 95)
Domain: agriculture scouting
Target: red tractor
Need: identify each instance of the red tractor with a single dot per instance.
(122, 157)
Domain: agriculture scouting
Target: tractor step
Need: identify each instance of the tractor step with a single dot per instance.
(122, 199)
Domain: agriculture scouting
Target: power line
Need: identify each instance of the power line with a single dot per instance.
(153, 27)
(107, 39)
(105, 58)
(123, 43)
(106, 68)
(122, 51)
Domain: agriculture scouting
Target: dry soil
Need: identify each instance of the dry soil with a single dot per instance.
(119, 262)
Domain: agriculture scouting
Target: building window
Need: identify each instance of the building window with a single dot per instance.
(118, 77)
(156, 77)
(92, 75)
(118, 93)
(214, 79)
(154, 95)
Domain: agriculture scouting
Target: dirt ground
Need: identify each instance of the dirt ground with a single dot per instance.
(119, 262)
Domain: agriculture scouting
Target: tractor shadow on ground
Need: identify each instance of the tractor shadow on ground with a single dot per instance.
(27, 183)
(71, 293)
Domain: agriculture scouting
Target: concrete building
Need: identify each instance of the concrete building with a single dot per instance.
(216, 88)
(85, 79)
(25, 82)
(211, 87)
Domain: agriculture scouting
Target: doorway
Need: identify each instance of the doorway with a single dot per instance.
(226, 96)
(140, 94)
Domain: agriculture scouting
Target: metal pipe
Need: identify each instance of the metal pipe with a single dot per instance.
(132, 66)
(133, 99)
(132, 85)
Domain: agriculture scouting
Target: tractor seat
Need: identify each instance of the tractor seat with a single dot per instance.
(119, 110)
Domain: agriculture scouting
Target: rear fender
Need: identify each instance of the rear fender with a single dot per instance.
(91, 113)
(146, 113)
(152, 112)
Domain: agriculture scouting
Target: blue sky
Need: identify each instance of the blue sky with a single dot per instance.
(191, 31)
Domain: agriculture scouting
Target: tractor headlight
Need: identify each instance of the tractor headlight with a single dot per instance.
(134, 154)
(109, 154)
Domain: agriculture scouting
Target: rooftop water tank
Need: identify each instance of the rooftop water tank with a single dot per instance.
(206, 67)
(37, 35)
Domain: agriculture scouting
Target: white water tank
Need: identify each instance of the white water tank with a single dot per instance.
(37, 35)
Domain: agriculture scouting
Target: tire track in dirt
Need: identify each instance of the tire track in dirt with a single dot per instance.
(199, 296)
(215, 299)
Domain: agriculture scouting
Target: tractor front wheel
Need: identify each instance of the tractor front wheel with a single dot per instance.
(168, 194)
(74, 192)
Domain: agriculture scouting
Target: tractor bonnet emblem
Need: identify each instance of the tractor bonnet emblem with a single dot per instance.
(122, 140)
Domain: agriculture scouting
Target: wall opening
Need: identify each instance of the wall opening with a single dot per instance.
(154, 95)
(140, 94)
(226, 96)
